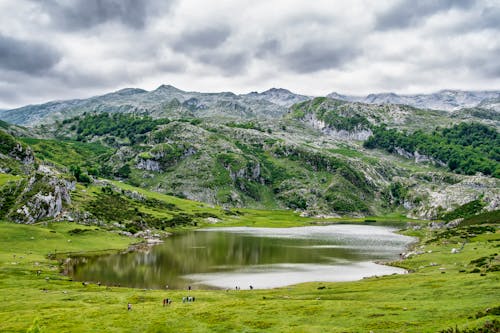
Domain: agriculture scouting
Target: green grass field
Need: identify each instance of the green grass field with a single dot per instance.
(435, 296)
(5, 178)
(66, 152)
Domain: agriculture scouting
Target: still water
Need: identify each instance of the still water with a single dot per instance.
(258, 257)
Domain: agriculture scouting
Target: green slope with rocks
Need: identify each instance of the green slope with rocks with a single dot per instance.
(314, 159)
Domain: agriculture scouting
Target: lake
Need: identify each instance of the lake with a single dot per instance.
(220, 258)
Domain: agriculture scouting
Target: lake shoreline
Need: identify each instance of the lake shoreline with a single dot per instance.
(144, 247)
(448, 293)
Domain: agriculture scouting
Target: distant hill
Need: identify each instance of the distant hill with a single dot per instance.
(273, 149)
(165, 101)
(169, 101)
(492, 104)
(449, 100)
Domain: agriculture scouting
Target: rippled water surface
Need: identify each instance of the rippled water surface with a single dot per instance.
(260, 257)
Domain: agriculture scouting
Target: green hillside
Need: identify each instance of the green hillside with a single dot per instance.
(98, 182)
(284, 164)
(466, 148)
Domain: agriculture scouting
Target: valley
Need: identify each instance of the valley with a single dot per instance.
(95, 176)
(249, 166)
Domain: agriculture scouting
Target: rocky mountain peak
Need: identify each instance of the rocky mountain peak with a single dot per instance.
(169, 88)
(277, 91)
(279, 96)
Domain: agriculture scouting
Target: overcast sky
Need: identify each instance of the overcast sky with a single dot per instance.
(62, 49)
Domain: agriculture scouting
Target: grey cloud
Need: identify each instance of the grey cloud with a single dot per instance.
(203, 45)
(484, 62)
(205, 38)
(406, 13)
(299, 38)
(475, 21)
(55, 84)
(480, 63)
(171, 67)
(307, 19)
(26, 56)
(268, 47)
(9, 96)
(489, 18)
(83, 14)
(491, 70)
(230, 63)
(75, 78)
(316, 56)
(19, 85)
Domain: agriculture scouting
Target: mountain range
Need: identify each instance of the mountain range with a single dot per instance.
(449, 100)
(168, 101)
(165, 101)
(275, 150)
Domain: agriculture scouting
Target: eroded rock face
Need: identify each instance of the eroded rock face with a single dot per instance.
(360, 134)
(44, 196)
(15, 156)
(252, 172)
(158, 160)
(148, 165)
(445, 198)
(419, 158)
(23, 154)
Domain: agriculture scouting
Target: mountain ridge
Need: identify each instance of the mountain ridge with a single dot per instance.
(446, 99)
(169, 101)
(310, 159)
(164, 101)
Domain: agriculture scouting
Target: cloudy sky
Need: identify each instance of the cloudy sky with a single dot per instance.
(61, 49)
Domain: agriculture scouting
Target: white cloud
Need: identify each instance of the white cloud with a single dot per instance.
(311, 47)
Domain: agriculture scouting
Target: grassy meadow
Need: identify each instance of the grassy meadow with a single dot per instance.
(439, 293)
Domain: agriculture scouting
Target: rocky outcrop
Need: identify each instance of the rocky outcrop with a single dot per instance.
(43, 197)
(419, 158)
(252, 172)
(359, 134)
(426, 202)
(15, 156)
(162, 156)
(23, 154)
(148, 165)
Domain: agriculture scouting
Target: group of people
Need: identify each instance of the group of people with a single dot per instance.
(167, 301)
(239, 288)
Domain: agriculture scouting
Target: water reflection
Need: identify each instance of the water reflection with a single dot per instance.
(262, 257)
